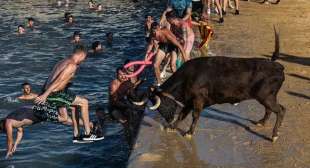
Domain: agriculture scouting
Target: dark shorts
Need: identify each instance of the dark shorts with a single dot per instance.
(49, 110)
(197, 6)
(167, 48)
(25, 112)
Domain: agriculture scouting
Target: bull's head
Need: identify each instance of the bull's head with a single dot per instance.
(166, 106)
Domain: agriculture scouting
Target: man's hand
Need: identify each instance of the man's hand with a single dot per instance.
(40, 99)
(14, 148)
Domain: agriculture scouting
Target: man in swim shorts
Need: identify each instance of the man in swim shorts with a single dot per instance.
(168, 44)
(25, 116)
(27, 94)
(56, 94)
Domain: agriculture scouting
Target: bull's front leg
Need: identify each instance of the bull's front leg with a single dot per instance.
(198, 107)
(182, 115)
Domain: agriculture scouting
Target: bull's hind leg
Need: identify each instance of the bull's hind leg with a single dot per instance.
(271, 105)
(198, 107)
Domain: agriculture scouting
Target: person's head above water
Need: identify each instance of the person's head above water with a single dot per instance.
(79, 53)
(70, 19)
(96, 46)
(149, 18)
(20, 29)
(66, 15)
(91, 4)
(109, 37)
(30, 22)
(76, 38)
(26, 88)
(99, 7)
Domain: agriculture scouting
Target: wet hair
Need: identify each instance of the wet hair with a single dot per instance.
(20, 26)
(154, 25)
(67, 14)
(148, 16)
(119, 69)
(126, 61)
(95, 45)
(108, 34)
(30, 19)
(170, 15)
(26, 83)
(2, 126)
(76, 33)
(79, 48)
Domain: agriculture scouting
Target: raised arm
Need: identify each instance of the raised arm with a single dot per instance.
(63, 77)
(163, 16)
(188, 13)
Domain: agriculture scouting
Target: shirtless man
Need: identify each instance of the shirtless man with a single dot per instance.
(55, 92)
(27, 94)
(168, 44)
(120, 87)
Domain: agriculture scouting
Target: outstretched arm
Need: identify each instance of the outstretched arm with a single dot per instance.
(63, 77)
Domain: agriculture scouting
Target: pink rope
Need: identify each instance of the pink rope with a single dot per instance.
(142, 64)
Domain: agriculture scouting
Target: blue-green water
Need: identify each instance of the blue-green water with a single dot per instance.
(30, 57)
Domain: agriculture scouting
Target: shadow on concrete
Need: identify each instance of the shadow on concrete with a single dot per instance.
(293, 59)
(298, 95)
(232, 118)
(299, 76)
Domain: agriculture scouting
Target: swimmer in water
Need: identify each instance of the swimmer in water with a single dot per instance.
(70, 20)
(109, 38)
(91, 4)
(30, 23)
(21, 29)
(96, 47)
(99, 8)
(27, 94)
(147, 27)
(76, 38)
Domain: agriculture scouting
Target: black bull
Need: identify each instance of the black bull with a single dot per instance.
(206, 81)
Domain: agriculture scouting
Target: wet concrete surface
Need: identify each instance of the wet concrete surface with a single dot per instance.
(226, 135)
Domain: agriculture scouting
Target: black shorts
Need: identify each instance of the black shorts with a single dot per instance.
(197, 6)
(167, 47)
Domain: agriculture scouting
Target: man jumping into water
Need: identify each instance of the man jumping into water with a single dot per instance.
(55, 93)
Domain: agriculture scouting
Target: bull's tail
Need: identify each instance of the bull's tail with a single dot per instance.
(276, 52)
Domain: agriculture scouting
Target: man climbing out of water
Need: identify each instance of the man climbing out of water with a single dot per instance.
(168, 44)
(55, 92)
(119, 108)
(27, 94)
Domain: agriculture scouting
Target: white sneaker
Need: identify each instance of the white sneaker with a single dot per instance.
(92, 137)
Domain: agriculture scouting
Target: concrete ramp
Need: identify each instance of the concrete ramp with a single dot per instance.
(224, 137)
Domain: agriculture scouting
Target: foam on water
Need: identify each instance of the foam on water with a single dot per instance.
(30, 57)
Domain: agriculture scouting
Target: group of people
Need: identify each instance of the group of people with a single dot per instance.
(170, 39)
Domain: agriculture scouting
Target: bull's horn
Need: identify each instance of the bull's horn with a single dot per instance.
(157, 104)
(140, 103)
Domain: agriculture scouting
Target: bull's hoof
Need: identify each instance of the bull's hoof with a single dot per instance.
(168, 129)
(188, 136)
(274, 139)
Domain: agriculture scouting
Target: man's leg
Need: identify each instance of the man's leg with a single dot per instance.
(83, 103)
(63, 114)
(159, 58)
(173, 62)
